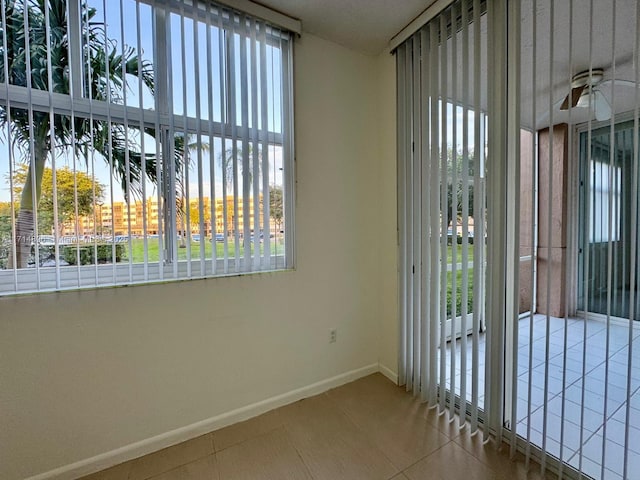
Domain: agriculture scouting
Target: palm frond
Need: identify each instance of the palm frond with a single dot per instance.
(107, 65)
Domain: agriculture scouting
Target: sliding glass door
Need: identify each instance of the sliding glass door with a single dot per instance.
(606, 224)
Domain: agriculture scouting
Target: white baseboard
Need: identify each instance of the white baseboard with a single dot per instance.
(153, 444)
(387, 372)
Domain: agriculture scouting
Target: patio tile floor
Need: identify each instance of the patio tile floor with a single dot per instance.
(594, 368)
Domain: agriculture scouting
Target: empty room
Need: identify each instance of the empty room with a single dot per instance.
(319, 239)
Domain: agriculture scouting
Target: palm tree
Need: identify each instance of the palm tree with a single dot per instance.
(233, 170)
(105, 78)
(226, 163)
(455, 192)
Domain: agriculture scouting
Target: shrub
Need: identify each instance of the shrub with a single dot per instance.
(68, 253)
(87, 253)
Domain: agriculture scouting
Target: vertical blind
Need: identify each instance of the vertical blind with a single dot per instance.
(442, 131)
(518, 218)
(141, 141)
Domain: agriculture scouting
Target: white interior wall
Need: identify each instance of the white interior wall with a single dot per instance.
(84, 373)
(387, 218)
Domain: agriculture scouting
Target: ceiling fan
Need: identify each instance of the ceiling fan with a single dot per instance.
(586, 92)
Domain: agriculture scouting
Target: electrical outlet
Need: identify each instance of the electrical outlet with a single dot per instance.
(333, 335)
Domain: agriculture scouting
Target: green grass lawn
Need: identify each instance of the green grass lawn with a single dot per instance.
(458, 253)
(137, 249)
(458, 291)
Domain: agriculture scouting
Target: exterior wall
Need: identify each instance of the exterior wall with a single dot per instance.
(85, 373)
(552, 246)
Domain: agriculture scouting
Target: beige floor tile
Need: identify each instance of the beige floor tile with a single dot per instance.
(369, 429)
(170, 458)
(234, 434)
(406, 440)
(318, 412)
(331, 445)
(266, 457)
(119, 472)
(451, 462)
(374, 395)
(394, 420)
(499, 459)
(203, 469)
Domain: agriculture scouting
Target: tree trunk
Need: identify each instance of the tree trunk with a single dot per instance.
(24, 238)
(25, 234)
(183, 232)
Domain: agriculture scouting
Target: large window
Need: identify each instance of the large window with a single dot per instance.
(141, 141)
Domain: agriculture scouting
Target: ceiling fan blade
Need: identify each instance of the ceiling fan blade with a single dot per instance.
(621, 83)
(601, 106)
(575, 96)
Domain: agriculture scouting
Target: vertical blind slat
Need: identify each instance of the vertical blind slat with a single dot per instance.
(442, 322)
(514, 156)
(199, 150)
(213, 224)
(610, 244)
(226, 104)
(246, 146)
(534, 79)
(266, 259)
(465, 207)
(454, 208)
(427, 381)
(403, 132)
(143, 151)
(10, 159)
(415, 214)
(478, 219)
(434, 235)
(589, 205)
(255, 165)
(633, 243)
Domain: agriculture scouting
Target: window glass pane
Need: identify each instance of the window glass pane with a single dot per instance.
(99, 191)
(26, 58)
(277, 220)
(216, 64)
(274, 88)
(108, 42)
(118, 44)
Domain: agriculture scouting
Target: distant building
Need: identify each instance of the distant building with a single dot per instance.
(120, 218)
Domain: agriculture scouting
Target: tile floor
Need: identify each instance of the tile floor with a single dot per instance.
(601, 418)
(597, 423)
(369, 429)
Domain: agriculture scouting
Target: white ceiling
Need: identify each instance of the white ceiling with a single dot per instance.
(595, 46)
(365, 26)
